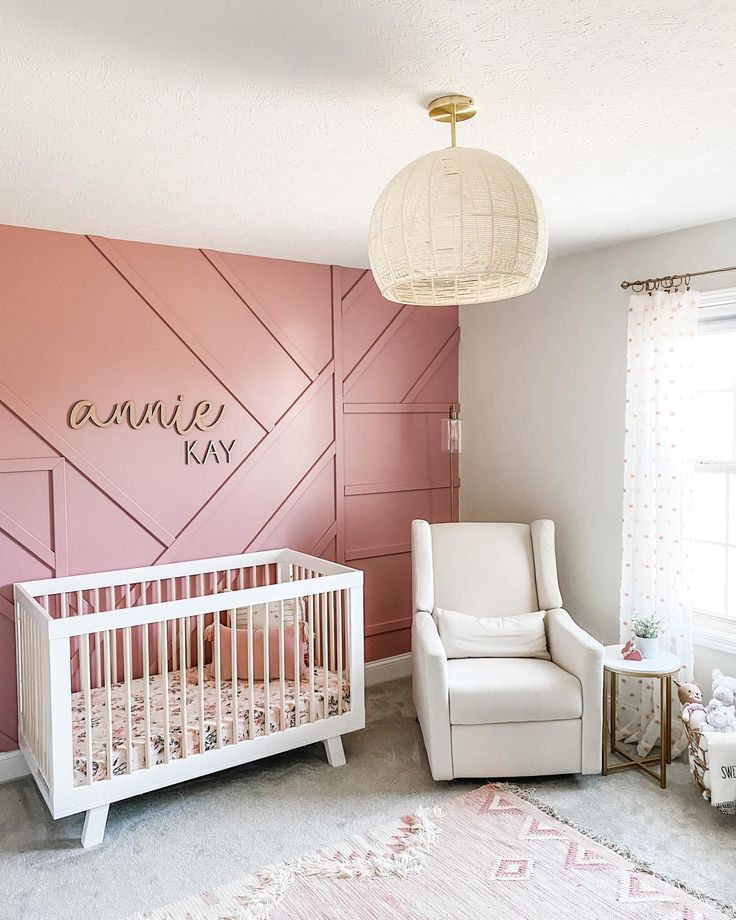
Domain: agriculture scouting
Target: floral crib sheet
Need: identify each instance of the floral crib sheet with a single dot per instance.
(282, 714)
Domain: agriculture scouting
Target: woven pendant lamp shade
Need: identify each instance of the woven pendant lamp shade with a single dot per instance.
(457, 226)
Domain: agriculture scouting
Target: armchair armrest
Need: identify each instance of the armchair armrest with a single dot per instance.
(431, 693)
(578, 653)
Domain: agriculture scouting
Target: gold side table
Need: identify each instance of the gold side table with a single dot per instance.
(663, 667)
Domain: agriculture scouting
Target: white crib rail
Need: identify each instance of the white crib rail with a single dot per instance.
(97, 643)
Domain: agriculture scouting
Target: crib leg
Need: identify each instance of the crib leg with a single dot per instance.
(334, 751)
(94, 826)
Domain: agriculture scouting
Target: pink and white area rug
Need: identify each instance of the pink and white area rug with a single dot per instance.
(492, 854)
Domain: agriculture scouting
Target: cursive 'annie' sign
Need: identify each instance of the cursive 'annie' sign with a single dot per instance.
(203, 417)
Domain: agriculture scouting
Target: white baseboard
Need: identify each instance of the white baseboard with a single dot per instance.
(12, 766)
(379, 672)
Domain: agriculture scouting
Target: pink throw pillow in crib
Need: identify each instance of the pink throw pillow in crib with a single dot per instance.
(241, 644)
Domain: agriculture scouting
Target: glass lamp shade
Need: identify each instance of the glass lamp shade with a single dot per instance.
(457, 226)
(452, 435)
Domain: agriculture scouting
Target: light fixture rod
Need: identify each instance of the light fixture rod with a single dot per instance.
(452, 109)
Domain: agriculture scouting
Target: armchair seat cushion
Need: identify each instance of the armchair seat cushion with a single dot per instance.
(493, 690)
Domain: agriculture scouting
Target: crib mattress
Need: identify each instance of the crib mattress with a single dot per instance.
(281, 714)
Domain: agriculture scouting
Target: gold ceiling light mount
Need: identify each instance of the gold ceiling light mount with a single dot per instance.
(452, 109)
(458, 225)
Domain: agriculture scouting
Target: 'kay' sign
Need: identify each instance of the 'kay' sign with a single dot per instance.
(203, 418)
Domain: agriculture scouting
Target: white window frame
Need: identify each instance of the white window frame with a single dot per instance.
(717, 313)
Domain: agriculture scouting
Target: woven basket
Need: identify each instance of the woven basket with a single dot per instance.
(698, 758)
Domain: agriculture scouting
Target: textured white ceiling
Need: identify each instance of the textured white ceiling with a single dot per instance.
(271, 127)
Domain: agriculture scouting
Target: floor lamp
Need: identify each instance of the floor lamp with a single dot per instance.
(452, 443)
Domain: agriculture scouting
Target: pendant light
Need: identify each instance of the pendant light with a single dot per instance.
(457, 226)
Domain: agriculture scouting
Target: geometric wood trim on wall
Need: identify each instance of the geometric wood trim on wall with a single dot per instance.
(401, 375)
(332, 396)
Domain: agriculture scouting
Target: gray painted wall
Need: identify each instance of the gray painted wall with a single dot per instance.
(542, 389)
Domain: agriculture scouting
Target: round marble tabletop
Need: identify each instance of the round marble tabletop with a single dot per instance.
(665, 663)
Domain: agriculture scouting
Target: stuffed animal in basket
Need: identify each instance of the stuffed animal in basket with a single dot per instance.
(691, 700)
(719, 718)
(724, 688)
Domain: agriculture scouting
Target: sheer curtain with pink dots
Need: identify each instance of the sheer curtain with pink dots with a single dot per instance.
(659, 463)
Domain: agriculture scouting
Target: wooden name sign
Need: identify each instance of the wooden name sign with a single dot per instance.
(204, 417)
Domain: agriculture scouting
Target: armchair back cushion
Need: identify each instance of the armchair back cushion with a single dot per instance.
(519, 636)
(485, 570)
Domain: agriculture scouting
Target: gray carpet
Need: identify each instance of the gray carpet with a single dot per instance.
(166, 844)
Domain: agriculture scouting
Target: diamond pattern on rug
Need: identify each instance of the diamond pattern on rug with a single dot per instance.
(513, 870)
(453, 864)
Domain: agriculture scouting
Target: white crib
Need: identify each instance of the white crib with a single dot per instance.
(102, 660)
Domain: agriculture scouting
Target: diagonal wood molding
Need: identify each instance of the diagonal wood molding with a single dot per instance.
(426, 375)
(250, 300)
(200, 351)
(324, 541)
(291, 500)
(353, 295)
(377, 347)
(26, 539)
(223, 493)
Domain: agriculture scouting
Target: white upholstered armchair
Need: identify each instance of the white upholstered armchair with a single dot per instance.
(495, 717)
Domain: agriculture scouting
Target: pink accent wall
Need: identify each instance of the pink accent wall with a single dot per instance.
(332, 394)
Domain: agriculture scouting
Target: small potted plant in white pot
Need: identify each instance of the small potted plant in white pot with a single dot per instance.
(647, 629)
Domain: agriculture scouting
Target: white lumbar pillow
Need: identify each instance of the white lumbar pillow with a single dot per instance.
(520, 636)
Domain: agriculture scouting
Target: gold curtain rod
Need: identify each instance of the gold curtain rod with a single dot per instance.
(668, 282)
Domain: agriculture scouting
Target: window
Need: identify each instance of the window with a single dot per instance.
(714, 504)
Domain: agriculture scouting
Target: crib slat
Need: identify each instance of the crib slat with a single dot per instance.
(174, 652)
(84, 649)
(98, 639)
(310, 624)
(108, 703)
(338, 601)
(325, 653)
(147, 697)
(75, 641)
(282, 666)
(318, 629)
(297, 663)
(200, 680)
(183, 686)
(163, 633)
(251, 700)
(187, 594)
(234, 675)
(332, 628)
(218, 687)
(127, 668)
(160, 647)
(266, 674)
(114, 639)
